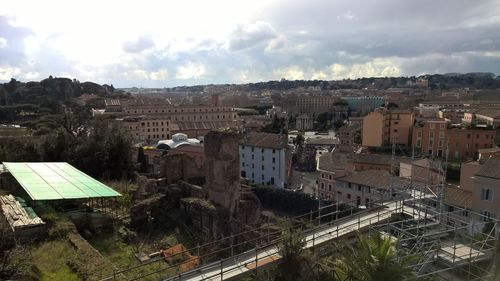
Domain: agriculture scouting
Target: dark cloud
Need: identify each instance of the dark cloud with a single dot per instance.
(249, 35)
(330, 37)
(138, 45)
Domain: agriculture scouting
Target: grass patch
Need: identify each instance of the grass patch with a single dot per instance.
(50, 259)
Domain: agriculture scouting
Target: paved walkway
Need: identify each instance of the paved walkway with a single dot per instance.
(233, 268)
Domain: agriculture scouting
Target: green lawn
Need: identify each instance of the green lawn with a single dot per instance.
(50, 258)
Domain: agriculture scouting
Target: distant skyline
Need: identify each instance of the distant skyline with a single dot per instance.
(175, 43)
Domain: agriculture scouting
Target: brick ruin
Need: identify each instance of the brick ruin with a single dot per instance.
(223, 206)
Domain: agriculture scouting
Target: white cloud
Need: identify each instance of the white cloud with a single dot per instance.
(6, 73)
(290, 73)
(159, 75)
(3, 43)
(190, 70)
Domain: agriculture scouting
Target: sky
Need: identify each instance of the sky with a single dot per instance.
(168, 43)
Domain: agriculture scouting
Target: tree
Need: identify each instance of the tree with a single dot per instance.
(295, 260)
(277, 126)
(141, 159)
(299, 144)
(392, 105)
(373, 258)
(323, 121)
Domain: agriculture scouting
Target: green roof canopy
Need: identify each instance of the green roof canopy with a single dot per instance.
(57, 180)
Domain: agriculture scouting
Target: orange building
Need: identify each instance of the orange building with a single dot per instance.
(432, 137)
(384, 127)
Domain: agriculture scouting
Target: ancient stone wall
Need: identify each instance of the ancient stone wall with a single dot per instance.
(180, 166)
(222, 168)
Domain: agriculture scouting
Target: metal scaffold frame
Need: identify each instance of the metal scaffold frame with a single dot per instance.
(444, 243)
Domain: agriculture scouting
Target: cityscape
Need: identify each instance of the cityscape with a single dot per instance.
(240, 141)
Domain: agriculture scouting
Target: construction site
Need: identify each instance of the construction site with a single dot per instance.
(222, 232)
(449, 242)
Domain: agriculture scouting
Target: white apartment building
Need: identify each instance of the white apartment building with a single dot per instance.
(264, 159)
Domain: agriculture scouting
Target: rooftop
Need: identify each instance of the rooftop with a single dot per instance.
(492, 113)
(265, 140)
(378, 179)
(458, 197)
(378, 159)
(333, 161)
(112, 102)
(177, 140)
(57, 180)
(490, 169)
(205, 125)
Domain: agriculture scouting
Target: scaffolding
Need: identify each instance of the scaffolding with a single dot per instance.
(450, 245)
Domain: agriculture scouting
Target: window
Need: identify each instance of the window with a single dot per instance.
(262, 157)
(274, 160)
(487, 194)
(359, 187)
(322, 186)
(419, 143)
(243, 155)
(253, 157)
(262, 150)
(396, 122)
(465, 213)
(330, 187)
(432, 126)
(242, 164)
(348, 196)
(263, 168)
(486, 215)
(441, 126)
(322, 175)
(329, 177)
(262, 177)
(395, 130)
(419, 134)
(274, 150)
(431, 135)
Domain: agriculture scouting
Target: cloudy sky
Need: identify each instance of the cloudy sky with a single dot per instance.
(167, 43)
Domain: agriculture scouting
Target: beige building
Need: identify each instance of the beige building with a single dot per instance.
(486, 191)
(384, 127)
(315, 103)
(467, 171)
(490, 117)
(423, 170)
(149, 129)
(151, 120)
(330, 166)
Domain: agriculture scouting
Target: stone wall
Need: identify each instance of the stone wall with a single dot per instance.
(181, 166)
(222, 168)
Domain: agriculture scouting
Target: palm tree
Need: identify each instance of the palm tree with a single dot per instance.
(295, 260)
(373, 258)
